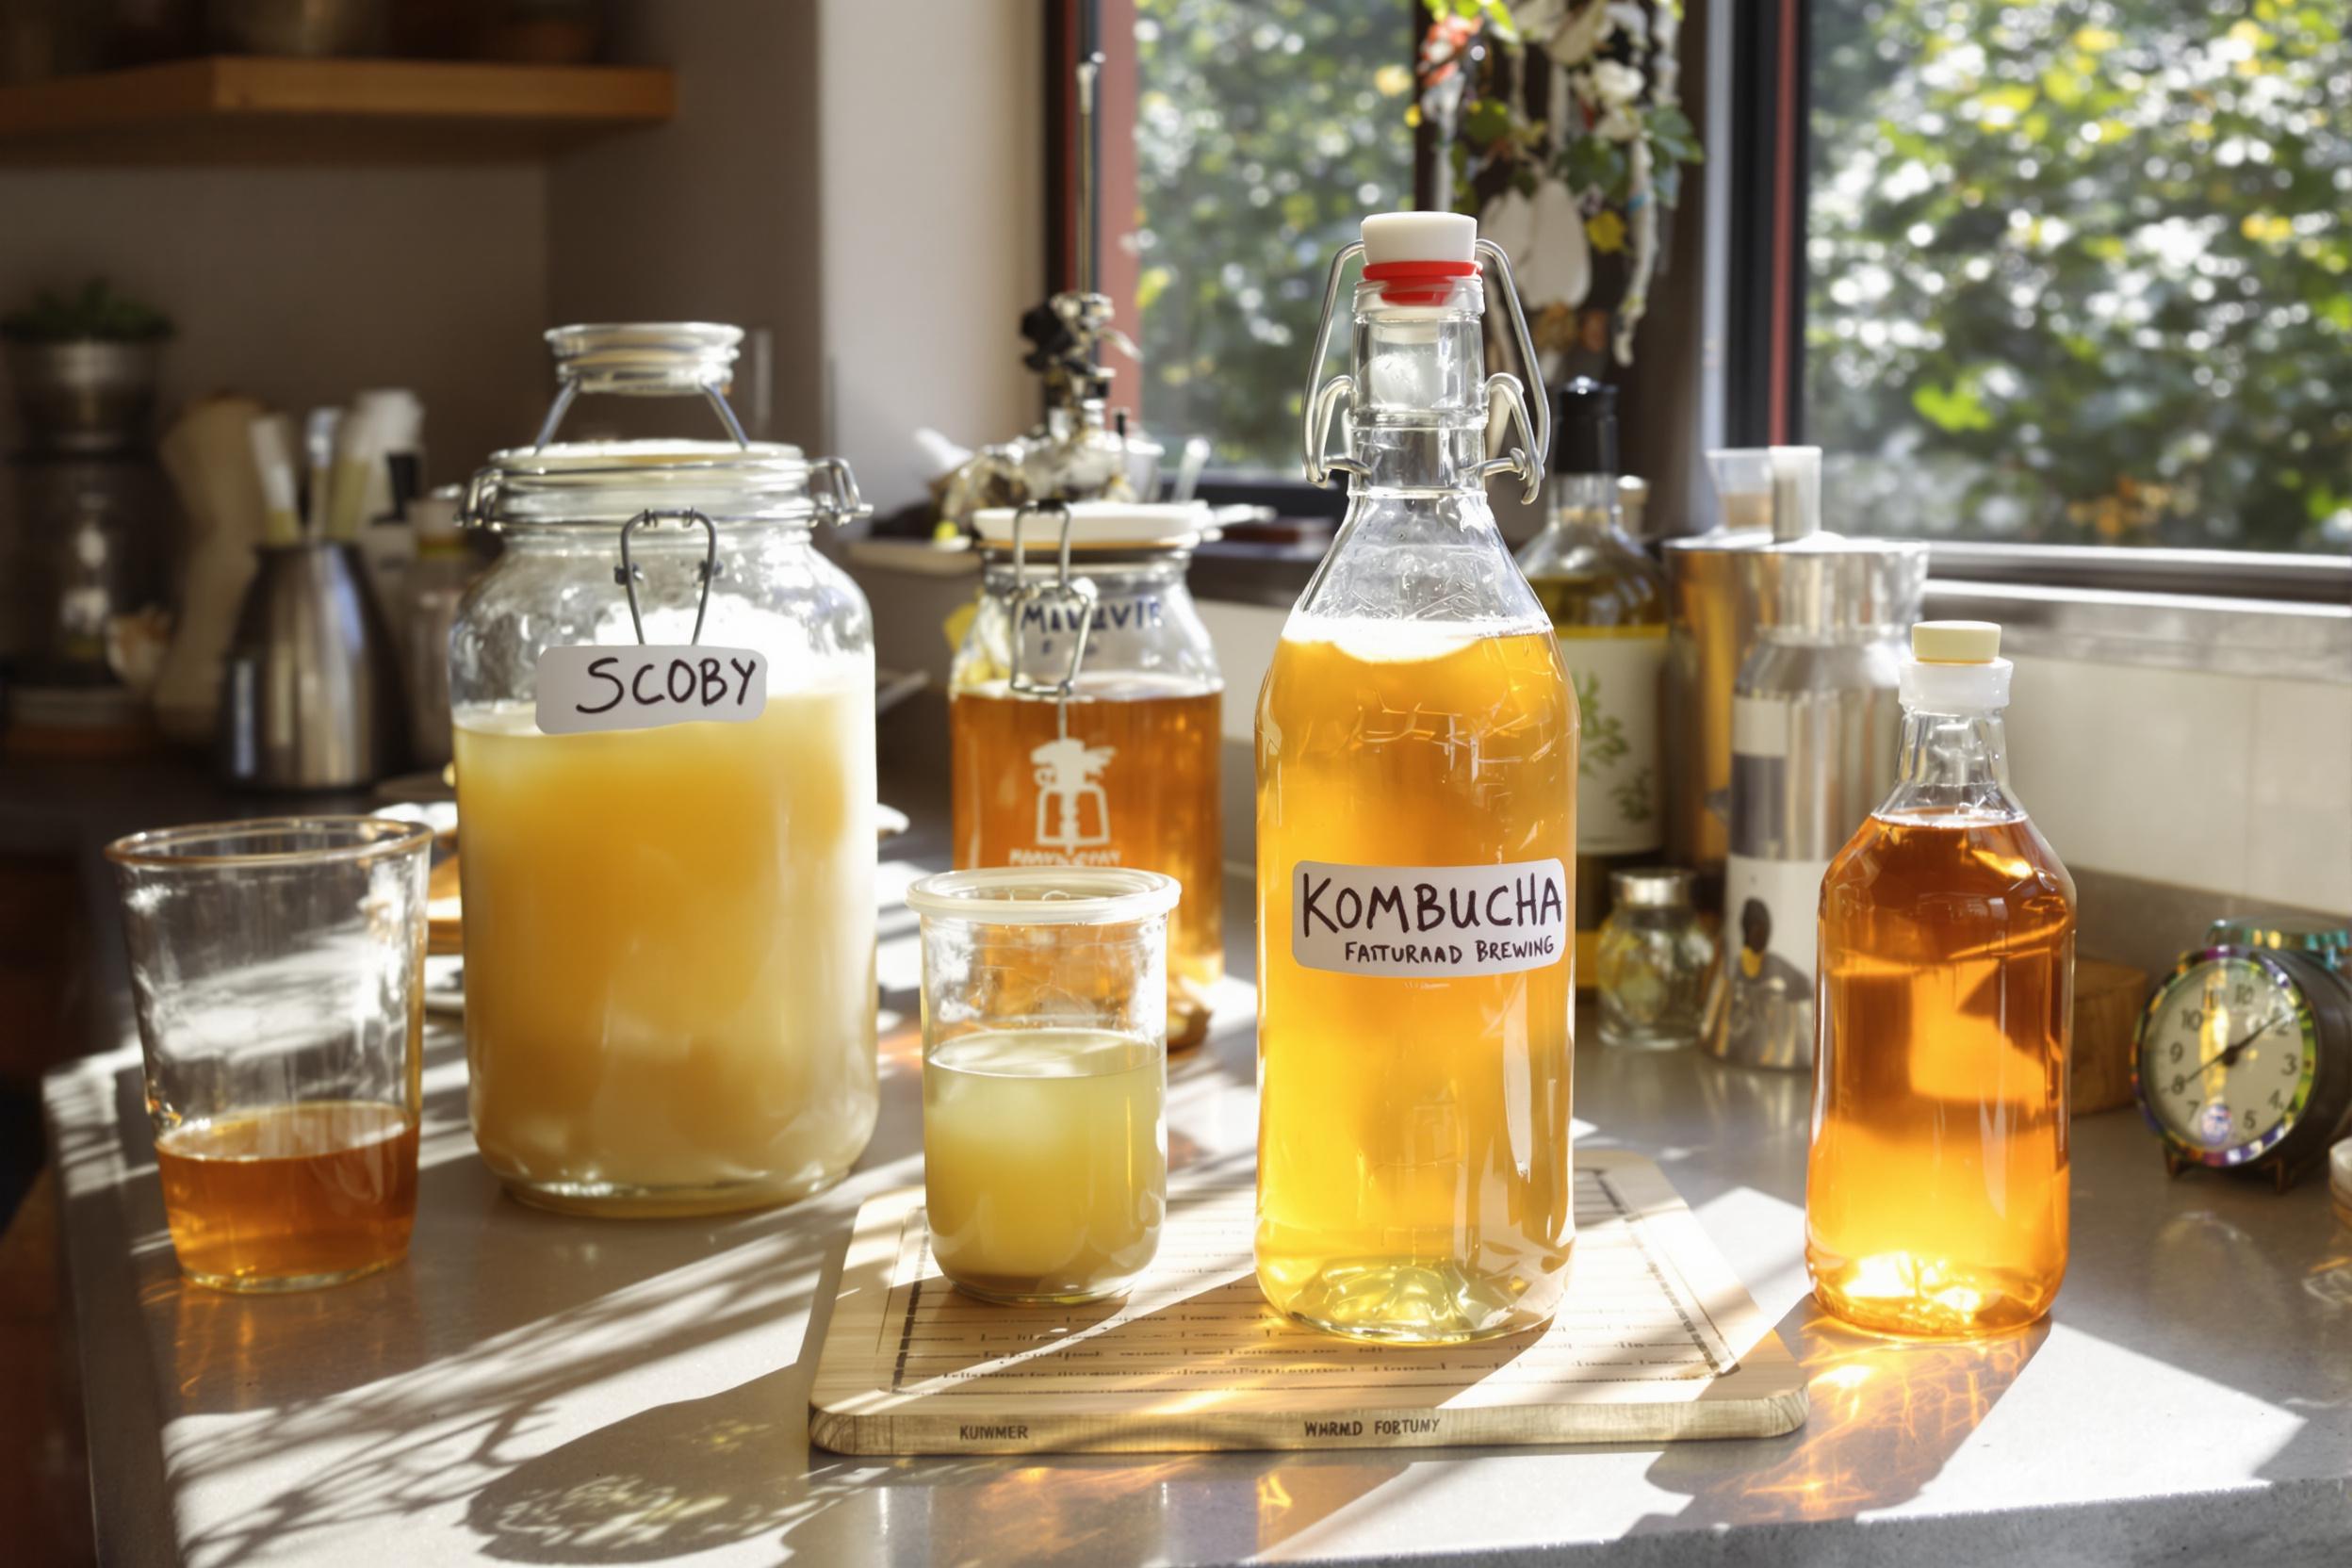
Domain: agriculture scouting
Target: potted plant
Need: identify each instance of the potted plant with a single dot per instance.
(84, 367)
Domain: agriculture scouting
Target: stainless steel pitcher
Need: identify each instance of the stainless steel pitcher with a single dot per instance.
(310, 688)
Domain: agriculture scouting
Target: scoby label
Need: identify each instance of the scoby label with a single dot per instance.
(1428, 921)
(590, 688)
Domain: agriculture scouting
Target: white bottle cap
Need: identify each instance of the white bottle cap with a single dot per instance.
(1420, 236)
(1956, 642)
(1796, 492)
(1955, 668)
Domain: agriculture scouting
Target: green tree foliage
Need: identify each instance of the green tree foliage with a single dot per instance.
(1263, 130)
(2082, 271)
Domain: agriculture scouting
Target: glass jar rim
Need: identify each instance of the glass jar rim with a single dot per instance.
(598, 483)
(1045, 895)
(181, 848)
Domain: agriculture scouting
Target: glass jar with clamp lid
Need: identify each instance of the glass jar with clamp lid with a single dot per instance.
(664, 706)
(1085, 716)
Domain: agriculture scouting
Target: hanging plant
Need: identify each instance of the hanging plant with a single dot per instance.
(1566, 140)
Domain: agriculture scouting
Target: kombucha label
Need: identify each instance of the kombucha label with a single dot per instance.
(1428, 921)
(590, 688)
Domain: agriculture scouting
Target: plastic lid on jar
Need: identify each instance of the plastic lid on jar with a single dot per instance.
(1045, 895)
(1097, 525)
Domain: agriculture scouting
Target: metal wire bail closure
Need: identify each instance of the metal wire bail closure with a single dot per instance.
(628, 574)
(1505, 394)
(1075, 598)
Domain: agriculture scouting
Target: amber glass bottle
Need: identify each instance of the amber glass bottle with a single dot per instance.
(1935, 1195)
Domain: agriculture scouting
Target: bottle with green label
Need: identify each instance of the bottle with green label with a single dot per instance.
(1608, 605)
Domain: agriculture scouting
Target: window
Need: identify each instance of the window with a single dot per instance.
(1263, 130)
(2081, 273)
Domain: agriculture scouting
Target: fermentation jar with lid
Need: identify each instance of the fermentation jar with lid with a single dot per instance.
(1085, 716)
(663, 715)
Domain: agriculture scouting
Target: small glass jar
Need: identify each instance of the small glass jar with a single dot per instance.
(1654, 959)
(669, 927)
(1044, 1077)
(1085, 716)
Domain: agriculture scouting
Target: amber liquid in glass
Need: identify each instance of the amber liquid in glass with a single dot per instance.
(1936, 1198)
(291, 1196)
(1133, 783)
(1413, 1133)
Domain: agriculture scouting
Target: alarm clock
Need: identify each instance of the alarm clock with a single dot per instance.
(2244, 1057)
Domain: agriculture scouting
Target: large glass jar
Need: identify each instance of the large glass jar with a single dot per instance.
(1084, 713)
(669, 917)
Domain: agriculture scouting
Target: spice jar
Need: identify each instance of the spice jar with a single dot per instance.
(1085, 716)
(1653, 961)
(663, 719)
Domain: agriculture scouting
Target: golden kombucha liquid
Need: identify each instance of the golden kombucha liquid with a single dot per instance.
(291, 1196)
(1413, 1132)
(1936, 1198)
(669, 955)
(1133, 783)
(1045, 1161)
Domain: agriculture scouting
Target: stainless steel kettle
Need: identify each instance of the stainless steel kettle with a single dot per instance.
(310, 688)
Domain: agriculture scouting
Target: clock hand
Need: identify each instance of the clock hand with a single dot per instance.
(2228, 1055)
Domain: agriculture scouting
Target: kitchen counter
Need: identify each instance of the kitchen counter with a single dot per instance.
(536, 1388)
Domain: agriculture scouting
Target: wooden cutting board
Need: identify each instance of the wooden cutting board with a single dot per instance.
(1656, 1340)
(2107, 1002)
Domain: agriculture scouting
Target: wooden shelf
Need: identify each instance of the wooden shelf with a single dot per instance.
(250, 109)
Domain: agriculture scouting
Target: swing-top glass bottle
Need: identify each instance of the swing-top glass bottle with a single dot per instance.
(1417, 763)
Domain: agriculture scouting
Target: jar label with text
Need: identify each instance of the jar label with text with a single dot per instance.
(592, 687)
(1428, 921)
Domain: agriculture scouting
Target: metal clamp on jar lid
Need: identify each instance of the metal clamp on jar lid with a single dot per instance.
(611, 482)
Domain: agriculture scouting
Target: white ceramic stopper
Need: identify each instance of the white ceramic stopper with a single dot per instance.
(1956, 642)
(1420, 236)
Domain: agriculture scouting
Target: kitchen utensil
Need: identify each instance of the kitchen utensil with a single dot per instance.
(311, 697)
(1813, 720)
(1718, 588)
(209, 454)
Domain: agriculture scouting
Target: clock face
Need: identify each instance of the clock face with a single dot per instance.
(2226, 1060)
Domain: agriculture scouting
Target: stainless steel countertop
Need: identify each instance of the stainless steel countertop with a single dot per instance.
(534, 1388)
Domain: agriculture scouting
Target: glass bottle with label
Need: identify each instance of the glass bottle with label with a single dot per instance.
(1608, 604)
(1417, 763)
(1084, 717)
(1935, 1192)
(663, 704)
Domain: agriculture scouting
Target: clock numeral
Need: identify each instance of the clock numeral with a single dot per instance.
(2176, 1050)
(2249, 1122)
(2290, 1066)
(2275, 1102)
(2180, 1083)
(2191, 1018)
(2241, 995)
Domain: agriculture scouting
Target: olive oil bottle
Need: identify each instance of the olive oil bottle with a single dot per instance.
(1608, 604)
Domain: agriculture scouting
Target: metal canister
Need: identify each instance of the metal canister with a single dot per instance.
(1721, 587)
(1814, 725)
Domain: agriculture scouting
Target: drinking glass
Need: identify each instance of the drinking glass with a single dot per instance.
(278, 968)
(1045, 1077)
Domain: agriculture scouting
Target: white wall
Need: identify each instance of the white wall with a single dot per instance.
(933, 233)
(303, 285)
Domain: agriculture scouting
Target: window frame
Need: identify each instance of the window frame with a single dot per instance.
(1751, 203)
